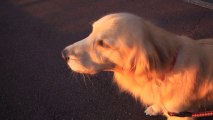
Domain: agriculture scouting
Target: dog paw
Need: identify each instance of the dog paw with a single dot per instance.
(151, 111)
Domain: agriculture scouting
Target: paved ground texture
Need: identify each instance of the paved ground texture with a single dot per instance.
(35, 83)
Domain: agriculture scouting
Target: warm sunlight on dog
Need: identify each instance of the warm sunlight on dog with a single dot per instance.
(167, 72)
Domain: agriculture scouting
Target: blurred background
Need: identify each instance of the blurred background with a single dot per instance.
(36, 84)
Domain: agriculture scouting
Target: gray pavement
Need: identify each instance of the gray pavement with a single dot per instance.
(35, 83)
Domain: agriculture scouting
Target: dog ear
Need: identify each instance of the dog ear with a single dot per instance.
(157, 46)
(163, 47)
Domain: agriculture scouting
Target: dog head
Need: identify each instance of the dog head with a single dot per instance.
(117, 42)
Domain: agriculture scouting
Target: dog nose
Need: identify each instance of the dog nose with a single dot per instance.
(65, 55)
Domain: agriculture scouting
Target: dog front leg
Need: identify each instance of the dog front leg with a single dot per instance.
(153, 110)
(179, 118)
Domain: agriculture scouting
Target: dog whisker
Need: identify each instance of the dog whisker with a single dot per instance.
(89, 79)
(84, 79)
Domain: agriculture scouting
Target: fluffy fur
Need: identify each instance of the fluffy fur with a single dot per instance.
(167, 72)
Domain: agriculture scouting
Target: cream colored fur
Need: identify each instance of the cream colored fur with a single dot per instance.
(167, 72)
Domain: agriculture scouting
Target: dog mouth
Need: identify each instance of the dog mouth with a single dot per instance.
(76, 66)
(80, 68)
(82, 71)
(85, 71)
(83, 64)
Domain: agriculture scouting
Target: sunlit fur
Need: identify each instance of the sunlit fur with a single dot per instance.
(167, 72)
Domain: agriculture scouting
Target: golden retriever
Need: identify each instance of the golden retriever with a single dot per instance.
(167, 72)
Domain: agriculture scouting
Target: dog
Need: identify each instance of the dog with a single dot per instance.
(165, 71)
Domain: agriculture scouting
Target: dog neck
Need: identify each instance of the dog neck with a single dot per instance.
(153, 73)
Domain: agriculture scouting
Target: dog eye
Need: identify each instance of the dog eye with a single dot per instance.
(103, 44)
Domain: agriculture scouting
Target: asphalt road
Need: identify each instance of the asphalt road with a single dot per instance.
(35, 83)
